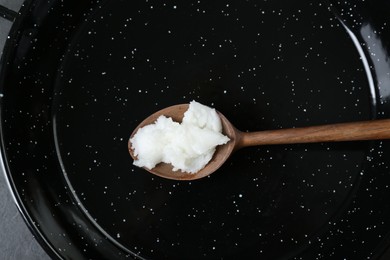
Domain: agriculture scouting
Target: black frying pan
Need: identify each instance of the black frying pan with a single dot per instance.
(78, 76)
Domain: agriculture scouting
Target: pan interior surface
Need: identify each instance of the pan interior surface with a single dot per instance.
(71, 103)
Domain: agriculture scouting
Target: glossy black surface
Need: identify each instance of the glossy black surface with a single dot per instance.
(77, 78)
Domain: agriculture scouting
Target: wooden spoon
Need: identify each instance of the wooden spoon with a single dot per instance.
(364, 130)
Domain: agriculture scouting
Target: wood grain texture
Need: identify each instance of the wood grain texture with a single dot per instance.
(355, 131)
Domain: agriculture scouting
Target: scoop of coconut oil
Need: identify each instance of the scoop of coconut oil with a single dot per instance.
(188, 145)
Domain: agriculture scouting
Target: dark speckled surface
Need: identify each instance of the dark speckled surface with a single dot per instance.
(83, 75)
(16, 240)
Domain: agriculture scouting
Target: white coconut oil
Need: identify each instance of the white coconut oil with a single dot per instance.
(188, 145)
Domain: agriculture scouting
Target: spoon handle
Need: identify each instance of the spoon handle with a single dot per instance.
(364, 130)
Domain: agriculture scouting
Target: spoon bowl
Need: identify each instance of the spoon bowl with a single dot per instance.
(354, 131)
(221, 154)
